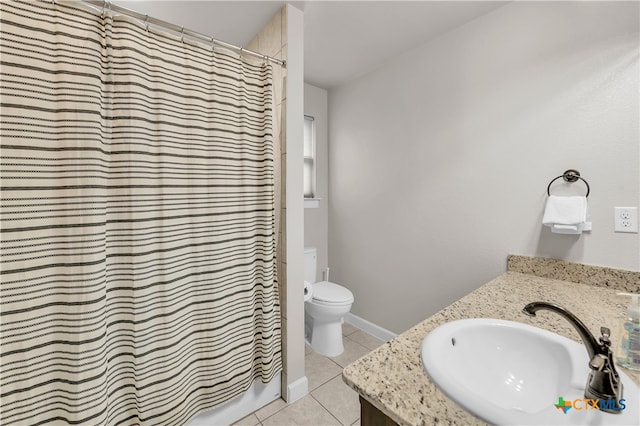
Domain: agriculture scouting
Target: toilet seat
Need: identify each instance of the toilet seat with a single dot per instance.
(331, 294)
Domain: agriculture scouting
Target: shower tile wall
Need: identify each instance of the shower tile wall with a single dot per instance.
(272, 41)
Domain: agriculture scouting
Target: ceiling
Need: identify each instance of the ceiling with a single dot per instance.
(342, 39)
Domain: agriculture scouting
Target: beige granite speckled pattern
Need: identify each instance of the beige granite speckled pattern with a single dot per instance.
(620, 279)
(392, 379)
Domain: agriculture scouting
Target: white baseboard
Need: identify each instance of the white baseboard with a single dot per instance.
(297, 389)
(369, 327)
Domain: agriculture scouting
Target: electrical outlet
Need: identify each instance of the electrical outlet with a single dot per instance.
(626, 219)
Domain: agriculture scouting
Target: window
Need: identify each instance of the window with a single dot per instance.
(309, 157)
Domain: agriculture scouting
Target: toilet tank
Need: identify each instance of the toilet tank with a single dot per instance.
(310, 263)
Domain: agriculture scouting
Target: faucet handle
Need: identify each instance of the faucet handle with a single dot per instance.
(604, 339)
(598, 362)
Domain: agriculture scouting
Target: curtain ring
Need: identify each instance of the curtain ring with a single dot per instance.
(104, 7)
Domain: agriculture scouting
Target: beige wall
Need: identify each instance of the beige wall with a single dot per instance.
(316, 220)
(282, 38)
(440, 160)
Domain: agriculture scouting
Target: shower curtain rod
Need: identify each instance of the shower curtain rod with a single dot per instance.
(146, 19)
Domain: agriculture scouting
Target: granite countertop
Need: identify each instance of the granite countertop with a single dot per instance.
(392, 379)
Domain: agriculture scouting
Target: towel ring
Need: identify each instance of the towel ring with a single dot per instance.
(570, 176)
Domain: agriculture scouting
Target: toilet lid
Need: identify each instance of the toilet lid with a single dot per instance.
(329, 292)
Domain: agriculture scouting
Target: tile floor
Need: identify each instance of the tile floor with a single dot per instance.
(330, 401)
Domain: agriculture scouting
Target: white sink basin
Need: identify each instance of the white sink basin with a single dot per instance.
(507, 372)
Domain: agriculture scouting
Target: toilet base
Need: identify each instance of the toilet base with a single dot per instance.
(326, 338)
(323, 327)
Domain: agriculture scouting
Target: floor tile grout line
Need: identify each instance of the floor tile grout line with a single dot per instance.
(324, 383)
(346, 336)
(315, 399)
(360, 344)
(329, 411)
(274, 413)
(382, 342)
(341, 367)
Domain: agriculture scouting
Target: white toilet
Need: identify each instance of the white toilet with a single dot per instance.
(324, 311)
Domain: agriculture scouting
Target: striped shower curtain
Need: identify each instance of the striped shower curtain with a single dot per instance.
(137, 210)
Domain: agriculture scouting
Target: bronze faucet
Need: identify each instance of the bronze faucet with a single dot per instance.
(604, 381)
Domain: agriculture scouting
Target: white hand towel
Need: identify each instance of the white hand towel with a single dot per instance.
(566, 215)
(565, 229)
